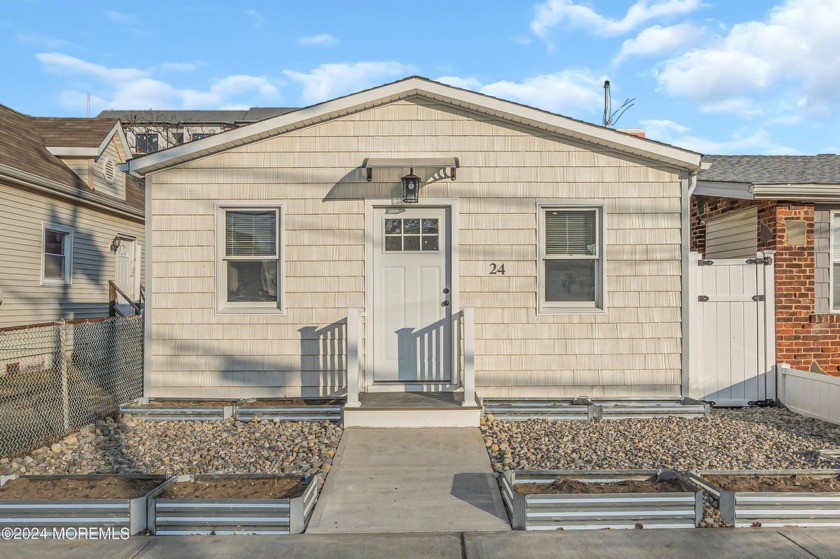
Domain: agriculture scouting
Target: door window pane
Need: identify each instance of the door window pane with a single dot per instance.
(393, 244)
(430, 226)
(393, 226)
(411, 242)
(430, 242)
(411, 226)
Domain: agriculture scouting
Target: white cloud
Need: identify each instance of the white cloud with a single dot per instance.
(662, 129)
(794, 50)
(257, 19)
(660, 40)
(134, 88)
(757, 142)
(333, 80)
(44, 41)
(463, 83)
(181, 66)
(562, 92)
(565, 92)
(319, 40)
(553, 13)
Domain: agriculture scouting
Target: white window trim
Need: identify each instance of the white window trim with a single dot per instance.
(68, 254)
(222, 305)
(831, 261)
(600, 306)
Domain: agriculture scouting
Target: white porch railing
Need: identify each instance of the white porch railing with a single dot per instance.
(355, 381)
(468, 372)
(355, 374)
(811, 394)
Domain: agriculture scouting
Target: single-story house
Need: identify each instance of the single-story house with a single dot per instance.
(410, 235)
(70, 220)
(790, 205)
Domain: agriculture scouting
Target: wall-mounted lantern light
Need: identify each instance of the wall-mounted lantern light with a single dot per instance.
(411, 188)
(115, 244)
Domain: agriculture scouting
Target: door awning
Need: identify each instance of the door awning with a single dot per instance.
(372, 163)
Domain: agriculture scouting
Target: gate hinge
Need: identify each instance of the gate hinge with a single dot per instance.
(763, 260)
(705, 262)
(702, 298)
(758, 298)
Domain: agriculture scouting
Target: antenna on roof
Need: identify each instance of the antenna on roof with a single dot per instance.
(611, 118)
(88, 104)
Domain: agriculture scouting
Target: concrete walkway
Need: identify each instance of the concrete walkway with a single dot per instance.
(409, 480)
(744, 543)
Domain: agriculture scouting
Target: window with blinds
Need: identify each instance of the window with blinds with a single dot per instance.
(570, 259)
(250, 261)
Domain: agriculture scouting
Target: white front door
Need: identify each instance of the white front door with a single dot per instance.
(411, 296)
(125, 269)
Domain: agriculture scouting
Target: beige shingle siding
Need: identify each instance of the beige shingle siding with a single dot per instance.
(632, 350)
(25, 300)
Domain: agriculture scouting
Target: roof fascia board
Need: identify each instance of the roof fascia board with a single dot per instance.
(507, 110)
(737, 190)
(68, 193)
(117, 130)
(798, 192)
(74, 152)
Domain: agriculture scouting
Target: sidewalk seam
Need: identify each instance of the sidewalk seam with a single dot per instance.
(139, 551)
(798, 545)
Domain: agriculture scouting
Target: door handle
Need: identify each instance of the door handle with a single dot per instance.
(445, 303)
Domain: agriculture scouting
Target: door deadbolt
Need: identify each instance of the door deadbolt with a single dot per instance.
(445, 290)
(445, 303)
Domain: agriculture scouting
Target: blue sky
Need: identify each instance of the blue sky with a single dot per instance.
(716, 76)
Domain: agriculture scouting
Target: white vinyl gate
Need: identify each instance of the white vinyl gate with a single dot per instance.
(732, 330)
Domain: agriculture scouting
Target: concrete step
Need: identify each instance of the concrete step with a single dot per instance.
(412, 417)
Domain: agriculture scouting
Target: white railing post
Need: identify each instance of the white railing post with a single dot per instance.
(782, 369)
(469, 356)
(353, 339)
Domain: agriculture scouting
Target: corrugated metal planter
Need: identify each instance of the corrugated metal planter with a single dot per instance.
(646, 409)
(772, 509)
(551, 511)
(76, 513)
(247, 410)
(536, 408)
(185, 516)
(160, 411)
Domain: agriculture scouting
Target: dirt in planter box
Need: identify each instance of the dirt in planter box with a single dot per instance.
(188, 403)
(789, 484)
(572, 486)
(288, 402)
(93, 488)
(247, 488)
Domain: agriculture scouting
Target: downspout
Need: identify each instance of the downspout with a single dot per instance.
(688, 185)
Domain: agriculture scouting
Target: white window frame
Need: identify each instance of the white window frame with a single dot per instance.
(223, 306)
(68, 254)
(831, 261)
(599, 306)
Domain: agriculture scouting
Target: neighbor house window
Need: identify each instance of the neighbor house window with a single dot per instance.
(199, 135)
(835, 261)
(250, 259)
(147, 143)
(58, 254)
(177, 138)
(570, 259)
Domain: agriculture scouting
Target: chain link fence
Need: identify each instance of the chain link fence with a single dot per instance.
(58, 377)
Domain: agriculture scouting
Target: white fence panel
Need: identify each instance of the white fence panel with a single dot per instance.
(811, 394)
(732, 330)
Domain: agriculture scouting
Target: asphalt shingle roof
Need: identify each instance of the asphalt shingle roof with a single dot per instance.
(773, 169)
(177, 118)
(73, 132)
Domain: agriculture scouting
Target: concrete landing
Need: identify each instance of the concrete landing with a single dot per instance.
(409, 480)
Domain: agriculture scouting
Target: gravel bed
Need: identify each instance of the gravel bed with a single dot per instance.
(129, 445)
(731, 439)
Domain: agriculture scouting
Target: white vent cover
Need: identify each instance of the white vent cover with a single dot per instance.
(110, 171)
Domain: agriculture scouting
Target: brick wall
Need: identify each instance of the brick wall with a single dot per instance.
(804, 339)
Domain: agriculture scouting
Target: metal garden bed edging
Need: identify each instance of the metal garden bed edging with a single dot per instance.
(518, 409)
(772, 509)
(141, 410)
(76, 513)
(648, 409)
(252, 409)
(191, 516)
(600, 511)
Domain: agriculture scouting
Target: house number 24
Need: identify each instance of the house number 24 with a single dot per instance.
(497, 269)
